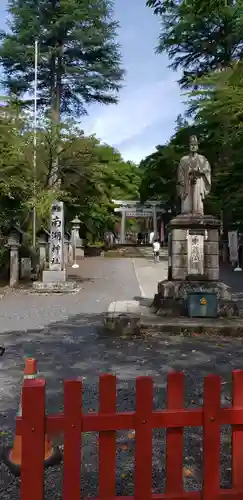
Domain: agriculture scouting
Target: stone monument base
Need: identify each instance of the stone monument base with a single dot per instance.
(180, 289)
(55, 282)
(50, 276)
(206, 227)
(128, 319)
(55, 287)
(171, 297)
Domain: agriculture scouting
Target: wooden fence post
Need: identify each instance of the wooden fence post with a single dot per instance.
(33, 436)
(174, 437)
(72, 439)
(143, 444)
(107, 440)
(211, 438)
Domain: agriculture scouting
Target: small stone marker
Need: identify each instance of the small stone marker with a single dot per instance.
(25, 269)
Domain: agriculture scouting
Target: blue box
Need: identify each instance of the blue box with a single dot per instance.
(202, 304)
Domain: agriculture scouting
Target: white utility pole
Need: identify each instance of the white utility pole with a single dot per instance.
(34, 145)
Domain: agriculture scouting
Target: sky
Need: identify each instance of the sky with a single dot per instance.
(150, 99)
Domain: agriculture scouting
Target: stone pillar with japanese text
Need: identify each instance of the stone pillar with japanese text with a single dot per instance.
(56, 242)
(56, 272)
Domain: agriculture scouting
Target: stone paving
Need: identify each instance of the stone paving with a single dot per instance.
(64, 334)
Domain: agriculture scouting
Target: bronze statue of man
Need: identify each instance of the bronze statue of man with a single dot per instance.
(193, 180)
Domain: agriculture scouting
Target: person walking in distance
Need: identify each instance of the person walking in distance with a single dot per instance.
(156, 249)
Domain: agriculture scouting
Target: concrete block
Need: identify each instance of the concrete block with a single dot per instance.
(123, 307)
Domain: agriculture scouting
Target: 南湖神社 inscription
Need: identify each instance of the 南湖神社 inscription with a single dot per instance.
(195, 254)
(56, 236)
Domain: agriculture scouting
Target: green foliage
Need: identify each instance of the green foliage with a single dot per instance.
(105, 177)
(91, 174)
(158, 176)
(204, 40)
(199, 36)
(217, 106)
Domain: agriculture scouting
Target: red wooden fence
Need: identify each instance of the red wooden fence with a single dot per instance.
(72, 422)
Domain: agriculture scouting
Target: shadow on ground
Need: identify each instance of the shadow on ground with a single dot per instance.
(80, 347)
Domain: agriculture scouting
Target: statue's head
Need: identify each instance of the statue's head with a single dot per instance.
(193, 144)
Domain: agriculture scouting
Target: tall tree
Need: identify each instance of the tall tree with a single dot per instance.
(79, 60)
(199, 36)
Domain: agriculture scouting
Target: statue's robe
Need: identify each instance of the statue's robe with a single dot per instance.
(192, 197)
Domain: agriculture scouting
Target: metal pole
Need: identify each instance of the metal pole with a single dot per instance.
(34, 145)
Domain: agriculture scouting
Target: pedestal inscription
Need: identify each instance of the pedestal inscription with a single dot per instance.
(195, 254)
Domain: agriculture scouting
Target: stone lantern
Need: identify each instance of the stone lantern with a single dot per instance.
(43, 239)
(14, 242)
(77, 242)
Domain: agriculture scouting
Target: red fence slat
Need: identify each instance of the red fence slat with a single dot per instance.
(211, 438)
(33, 432)
(237, 431)
(174, 437)
(143, 444)
(72, 439)
(107, 440)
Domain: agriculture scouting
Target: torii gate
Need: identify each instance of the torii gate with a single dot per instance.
(135, 209)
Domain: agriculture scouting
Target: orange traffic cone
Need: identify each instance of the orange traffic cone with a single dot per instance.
(12, 457)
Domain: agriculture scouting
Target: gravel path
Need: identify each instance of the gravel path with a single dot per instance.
(69, 342)
(100, 280)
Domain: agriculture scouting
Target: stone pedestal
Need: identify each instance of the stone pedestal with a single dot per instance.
(206, 226)
(183, 275)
